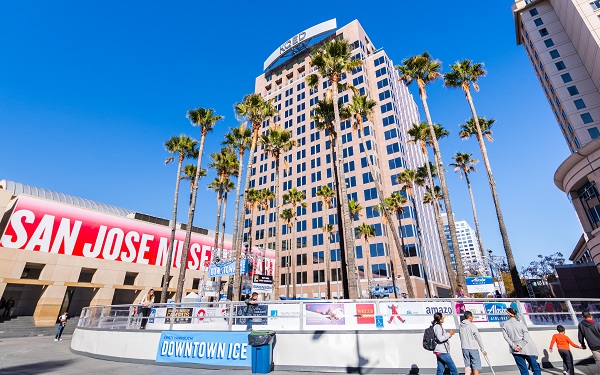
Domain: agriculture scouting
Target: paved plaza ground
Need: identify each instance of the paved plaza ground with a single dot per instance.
(42, 355)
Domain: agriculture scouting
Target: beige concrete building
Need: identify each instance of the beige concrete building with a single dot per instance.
(562, 40)
(310, 167)
(55, 255)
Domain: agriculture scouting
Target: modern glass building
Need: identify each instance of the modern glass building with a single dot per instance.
(309, 166)
(562, 40)
(470, 251)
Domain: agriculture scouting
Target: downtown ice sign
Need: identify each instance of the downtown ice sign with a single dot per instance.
(46, 226)
(227, 268)
(480, 284)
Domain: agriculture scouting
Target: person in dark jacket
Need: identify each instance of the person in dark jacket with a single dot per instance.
(589, 331)
(251, 304)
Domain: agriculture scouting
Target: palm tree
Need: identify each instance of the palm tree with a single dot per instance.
(333, 59)
(325, 195)
(205, 119)
(289, 217)
(277, 141)
(432, 198)
(327, 229)
(256, 110)
(424, 70)
(354, 209)
(462, 75)
(240, 139)
(409, 178)
(228, 186)
(365, 231)
(189, 173)
(296, 198)
(185, 147)
(421, 135)
(266, 197)
(380, 208)
(252, 203)
(465, 164)
(221, 188)
(468, 129)
(225, 163)
(396, 203)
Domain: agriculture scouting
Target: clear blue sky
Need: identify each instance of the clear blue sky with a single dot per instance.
(90, 91)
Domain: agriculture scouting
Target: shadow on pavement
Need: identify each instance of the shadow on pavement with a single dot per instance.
(35, 368)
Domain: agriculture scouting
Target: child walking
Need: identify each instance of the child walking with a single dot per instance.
(562, 342)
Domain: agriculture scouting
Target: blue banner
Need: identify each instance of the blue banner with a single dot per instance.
(206, 348)
(227, 269)
(496, 311)
(259, 310)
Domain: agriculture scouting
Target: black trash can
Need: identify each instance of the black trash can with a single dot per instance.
(262, 351)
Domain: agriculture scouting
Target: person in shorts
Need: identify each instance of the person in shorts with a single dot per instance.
(470, 342)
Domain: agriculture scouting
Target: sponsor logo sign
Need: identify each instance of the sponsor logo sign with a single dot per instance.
(227, 269)
(480, 284)
(206, 348)
(179, 315)
(56, 228)
(259, 311)
(325, 314)
(496, 312)
(262, 284)
(365, 313)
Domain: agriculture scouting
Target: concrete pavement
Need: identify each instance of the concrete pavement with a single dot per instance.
(42, 355)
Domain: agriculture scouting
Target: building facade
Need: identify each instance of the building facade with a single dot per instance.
(469, 246)
(62, 253)
(310, 167)
(562, 40)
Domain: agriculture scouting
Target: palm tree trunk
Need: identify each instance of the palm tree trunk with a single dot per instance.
(350, 251)
(420, 237)
(327, 267)
(172, 225)
(190, 223)
(390, 261)
(238, 241)
(460, 272)
(481, 248)
(235, 249)
(223, 228)
(514, 273)
(287, 268)
(276, 281)
(409, 288)
(215, 252)
(294, 261)
(440, 227)
(368, 270)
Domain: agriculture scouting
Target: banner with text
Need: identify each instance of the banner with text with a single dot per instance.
(227, 269)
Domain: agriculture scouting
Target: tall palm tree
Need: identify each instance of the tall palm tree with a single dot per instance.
(226, 164)
(421, 135)
(408, 178)
(462, 75)
(221, 188)
(289, 217)
(424, 70)
(332, 60)
(296, 198)
(396, 203)
(366, 231)
(228, 186)
(256, 110)
(189, 173)
(205, 119)
(465, 164)
(252, 203)
(327, 229)
(277, 141)
(354, 209)
(380, 208)
(468, 129)
(266, 198)
(430, 198)
(325, 195)
(362, 108)
(184, 147)
(240, 139)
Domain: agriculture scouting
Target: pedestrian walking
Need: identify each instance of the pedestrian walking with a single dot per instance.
(589, 331)
(62, 323)
(146, 303)
(470, 342)
(442, 349)
(251, 304)
(8, 306)
(562, 342)
(521, 344)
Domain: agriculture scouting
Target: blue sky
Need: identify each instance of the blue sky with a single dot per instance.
(89, 93)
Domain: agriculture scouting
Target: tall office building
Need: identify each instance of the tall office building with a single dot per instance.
(562, 40)
(310, 167)
(470, 251)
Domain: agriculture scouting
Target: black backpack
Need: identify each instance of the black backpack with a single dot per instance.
(429, 340)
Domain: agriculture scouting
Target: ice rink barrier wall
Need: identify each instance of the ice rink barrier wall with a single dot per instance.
(374, 336)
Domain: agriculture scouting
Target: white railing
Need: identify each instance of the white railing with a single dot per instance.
(338, 315)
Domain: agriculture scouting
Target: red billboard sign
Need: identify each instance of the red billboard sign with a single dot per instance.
(52, 227)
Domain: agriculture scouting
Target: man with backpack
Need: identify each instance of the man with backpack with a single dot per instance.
(435, 339)
(470, 342)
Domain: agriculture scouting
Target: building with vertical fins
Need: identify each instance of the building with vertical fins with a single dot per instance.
(310, 167)
(470, 251)
(562, 40)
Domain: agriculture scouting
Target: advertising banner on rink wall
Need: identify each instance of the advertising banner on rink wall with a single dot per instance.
(52, 227)
(206, 348)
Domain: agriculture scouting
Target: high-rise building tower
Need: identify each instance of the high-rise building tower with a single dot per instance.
(562, 40)
(468, 245)
(309, 166)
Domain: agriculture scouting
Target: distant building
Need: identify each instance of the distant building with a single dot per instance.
(468, 245)
(562, 40)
